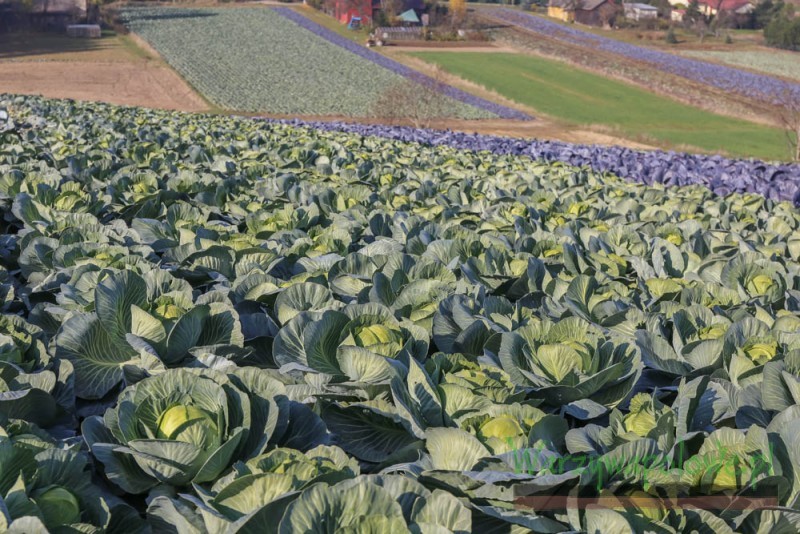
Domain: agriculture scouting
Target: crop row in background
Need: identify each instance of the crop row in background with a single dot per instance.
(397, 67)
(214, 324)
(759, 87)
(261, 61)
(771, 62)
(779, 181)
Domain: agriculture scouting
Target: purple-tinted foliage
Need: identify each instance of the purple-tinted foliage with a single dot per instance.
(721, 175)
(456, 94)
(757, 86)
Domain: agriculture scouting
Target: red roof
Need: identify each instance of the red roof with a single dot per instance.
(724, 5)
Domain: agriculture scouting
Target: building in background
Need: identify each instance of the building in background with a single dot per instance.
(590, 12)
(53, 15)
(640, 11)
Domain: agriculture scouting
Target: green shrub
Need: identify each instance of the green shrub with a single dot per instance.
(671, 38)
(782, 32)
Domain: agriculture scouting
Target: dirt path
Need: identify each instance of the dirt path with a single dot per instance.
(413, 48)
(123, 83)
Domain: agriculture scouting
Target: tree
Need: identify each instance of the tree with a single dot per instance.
(764, 12)
(721, 21)
(458, 11)
(671, 38)
(693, 12)
(391, 8)
(789, 118)
(783, 32)
(419, 101)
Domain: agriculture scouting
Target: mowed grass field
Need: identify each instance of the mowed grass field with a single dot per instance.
(582, 98)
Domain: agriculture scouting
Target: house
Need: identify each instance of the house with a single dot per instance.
(345, 10)
(736, 7)
(563, 10)
(589, 12)
(640, 11)
(677, 15)
(41, 14)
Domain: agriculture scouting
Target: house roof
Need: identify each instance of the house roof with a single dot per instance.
(409, 16)
(584, 5)
(642, 7)
(54, 7)
(725, 5)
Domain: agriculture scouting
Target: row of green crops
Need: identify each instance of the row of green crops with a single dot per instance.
(255, 60)
(774, 62)
(211, 324)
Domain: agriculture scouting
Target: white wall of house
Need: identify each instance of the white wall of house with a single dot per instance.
(640, 12)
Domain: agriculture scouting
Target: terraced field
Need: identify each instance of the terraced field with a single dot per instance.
(756, 87)
(261, 61)
(777, 63)
(587, 100)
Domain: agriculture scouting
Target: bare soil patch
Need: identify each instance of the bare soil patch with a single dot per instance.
(114, 69)
(124, 83)
(418, 46)
(443, 46)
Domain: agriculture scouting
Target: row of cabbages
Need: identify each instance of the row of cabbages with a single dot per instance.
(264, 60)
(773, 62)
(214, 324)
(760, 87)
(779, 181)
(395, 66)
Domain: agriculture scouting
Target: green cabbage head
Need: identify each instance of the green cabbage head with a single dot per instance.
(184, 426)
(59, 506)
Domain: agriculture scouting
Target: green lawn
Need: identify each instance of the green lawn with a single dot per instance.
(578, 97)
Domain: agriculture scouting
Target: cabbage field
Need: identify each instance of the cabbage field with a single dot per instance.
(773, 62)
(262, 61)
(215, 324)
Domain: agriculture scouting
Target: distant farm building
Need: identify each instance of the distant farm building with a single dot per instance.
(677, 15)
(735, 7)
(640, 12)
(41, 14)
(712, 7)
(345, 10)
(589, 12)
(562, 10)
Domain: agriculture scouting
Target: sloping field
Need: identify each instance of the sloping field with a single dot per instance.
(755, 86)
(260, 61)
(778, 181)
(212, 324)
(775, 62)
(582, 98)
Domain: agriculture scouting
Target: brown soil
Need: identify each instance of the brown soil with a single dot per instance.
(418, 46)
(473, 46)
(125, 83)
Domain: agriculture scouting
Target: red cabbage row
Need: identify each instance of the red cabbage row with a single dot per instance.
(751, 85)
(456, 94)
(721, 175)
